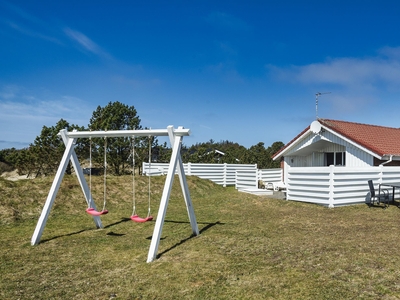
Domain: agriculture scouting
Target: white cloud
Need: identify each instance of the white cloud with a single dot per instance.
(86, 42)
(21, 13)
(390, 52)
(347, 72)
(204, 126)
(32, 33)
(8, 92)
(45, 112)
(23, 114)
(27, 24)
(359, 86)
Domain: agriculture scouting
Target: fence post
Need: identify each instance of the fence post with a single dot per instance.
(380, 180)
(236, 179)
(287, 181)
(331, 185)
(225, 175)
(189, 168)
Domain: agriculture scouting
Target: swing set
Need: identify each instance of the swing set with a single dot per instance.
(69, 139)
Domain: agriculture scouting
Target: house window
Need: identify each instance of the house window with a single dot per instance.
(329, 158)
(335, 158)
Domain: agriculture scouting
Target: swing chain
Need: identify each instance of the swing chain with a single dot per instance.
(133, 176)
(91, 210)
(149, 210)
(90, 172)
(105, 174)
(134, 215)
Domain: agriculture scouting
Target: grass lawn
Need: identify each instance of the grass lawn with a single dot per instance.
(249, 247)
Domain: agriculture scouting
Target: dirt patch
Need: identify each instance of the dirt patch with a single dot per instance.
(14, 176)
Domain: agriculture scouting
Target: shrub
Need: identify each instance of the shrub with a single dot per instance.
(5, 167)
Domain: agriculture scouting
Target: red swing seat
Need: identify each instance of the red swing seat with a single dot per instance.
(93, 212)
(138, 219)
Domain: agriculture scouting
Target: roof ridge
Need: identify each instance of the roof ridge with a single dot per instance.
(356, 123)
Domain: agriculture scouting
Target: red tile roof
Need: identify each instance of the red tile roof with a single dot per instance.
(378, 139)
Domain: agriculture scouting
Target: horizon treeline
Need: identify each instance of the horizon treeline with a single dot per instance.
(44, 154)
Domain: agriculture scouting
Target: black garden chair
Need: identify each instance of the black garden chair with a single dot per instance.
(383, 195)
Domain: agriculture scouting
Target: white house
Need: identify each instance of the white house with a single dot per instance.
(330, 161)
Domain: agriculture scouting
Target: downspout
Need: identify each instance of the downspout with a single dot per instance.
(386, 162)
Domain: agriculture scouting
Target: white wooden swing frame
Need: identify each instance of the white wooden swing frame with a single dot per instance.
(69, 139)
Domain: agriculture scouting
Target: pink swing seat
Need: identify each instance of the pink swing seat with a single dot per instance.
(138, 219)
(93, 212)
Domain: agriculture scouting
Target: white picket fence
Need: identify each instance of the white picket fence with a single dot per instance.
(334, 186)
(222, 174)
(329, 186)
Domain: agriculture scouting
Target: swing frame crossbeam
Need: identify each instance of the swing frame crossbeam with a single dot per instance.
(69, 138)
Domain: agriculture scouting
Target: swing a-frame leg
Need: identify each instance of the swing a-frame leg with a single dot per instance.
(69, 154)
(176, 160)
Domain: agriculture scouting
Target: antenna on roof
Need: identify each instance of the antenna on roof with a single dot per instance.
(316, 102)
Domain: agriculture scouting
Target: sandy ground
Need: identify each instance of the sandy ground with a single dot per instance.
(13, 176)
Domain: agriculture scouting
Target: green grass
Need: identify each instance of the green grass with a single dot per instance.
(250, 247)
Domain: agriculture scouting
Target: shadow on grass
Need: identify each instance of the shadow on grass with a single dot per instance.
(123, 220)
(83, 230)
(62, 235)
(114, 234)
(208, 226)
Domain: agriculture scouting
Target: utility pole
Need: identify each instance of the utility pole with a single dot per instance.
(316, 102)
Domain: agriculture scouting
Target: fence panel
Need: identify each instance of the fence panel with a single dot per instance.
(350, 185)
(270, 175)
(335, 186)
(231, 172)
(308, 185)
(246, 179)
(329, 186)
(213, 172)
(222, 174)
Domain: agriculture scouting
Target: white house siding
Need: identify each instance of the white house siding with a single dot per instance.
(358, 158)
(318, 159)
(355, 157)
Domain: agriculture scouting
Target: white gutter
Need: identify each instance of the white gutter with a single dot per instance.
(386, 162)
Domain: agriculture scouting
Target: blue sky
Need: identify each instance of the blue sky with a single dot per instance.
(243, 71)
